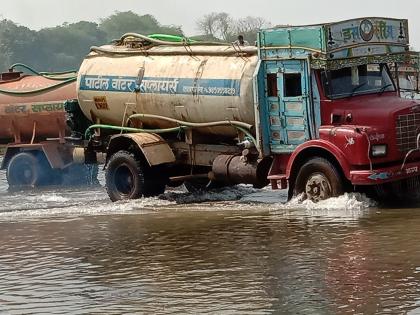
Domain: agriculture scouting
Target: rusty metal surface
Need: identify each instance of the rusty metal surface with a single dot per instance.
(58, 155)
(200, 154)
(155, 149)
(237, 170)
(196, 89)
(18, 113)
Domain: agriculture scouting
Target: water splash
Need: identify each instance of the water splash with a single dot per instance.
(82, 201)
(48, 198)
(348, 201)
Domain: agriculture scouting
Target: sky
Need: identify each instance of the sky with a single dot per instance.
(37, 14)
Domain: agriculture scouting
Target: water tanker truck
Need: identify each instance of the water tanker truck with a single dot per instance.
(311, 108)
(33, 128)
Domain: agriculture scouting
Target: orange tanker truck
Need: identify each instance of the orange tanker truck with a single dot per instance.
(33, 128)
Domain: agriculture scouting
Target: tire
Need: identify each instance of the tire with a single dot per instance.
(318, 179)
(27, 170)
(124, 177)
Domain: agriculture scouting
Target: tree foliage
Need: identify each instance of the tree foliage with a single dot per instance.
(223, 27)
(125, 22)
(64, 47)
(15, 43)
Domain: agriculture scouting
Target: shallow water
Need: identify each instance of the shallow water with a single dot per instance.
(233, 251)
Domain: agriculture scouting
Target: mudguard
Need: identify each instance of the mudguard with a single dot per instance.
(320, 145)
(154, 148)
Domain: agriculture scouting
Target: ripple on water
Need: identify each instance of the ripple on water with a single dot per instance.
(237, 250)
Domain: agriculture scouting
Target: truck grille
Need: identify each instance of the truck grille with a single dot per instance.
(408, 127)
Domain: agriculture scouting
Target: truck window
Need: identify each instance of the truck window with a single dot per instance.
(357, 80)
(292, 84)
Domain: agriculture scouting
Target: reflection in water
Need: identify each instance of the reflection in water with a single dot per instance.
(74, 252)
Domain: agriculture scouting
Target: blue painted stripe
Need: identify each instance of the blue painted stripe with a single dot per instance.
(151, 85)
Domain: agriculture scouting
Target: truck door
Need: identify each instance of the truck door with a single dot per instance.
(287, 101)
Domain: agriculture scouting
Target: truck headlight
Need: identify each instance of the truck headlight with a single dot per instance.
(378, 150)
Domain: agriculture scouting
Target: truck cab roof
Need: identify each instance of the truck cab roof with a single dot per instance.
(339, 44)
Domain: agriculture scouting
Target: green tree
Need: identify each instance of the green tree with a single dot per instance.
(15, 43)
(223, 27)
(218, 25)
(129, 22)
(249, 27)
(65, 46)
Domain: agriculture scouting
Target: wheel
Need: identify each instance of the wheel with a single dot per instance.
(124, 177)
(318, 180)
(27, 169)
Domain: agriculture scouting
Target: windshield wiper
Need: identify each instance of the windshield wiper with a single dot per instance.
(356, 88)
(384, 88)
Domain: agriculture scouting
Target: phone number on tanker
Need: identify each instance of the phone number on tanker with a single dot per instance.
(209, 90)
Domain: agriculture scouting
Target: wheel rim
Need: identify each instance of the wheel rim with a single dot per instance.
(25, 173)
(318, 187)
(124, 180)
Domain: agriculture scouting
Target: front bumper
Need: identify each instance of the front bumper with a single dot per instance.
(385, 175)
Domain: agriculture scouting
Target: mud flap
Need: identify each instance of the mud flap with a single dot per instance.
(155, 149)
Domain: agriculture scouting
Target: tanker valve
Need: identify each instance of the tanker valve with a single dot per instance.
(246, 144)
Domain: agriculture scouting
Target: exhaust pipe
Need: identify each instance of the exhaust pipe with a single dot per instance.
(235, 169)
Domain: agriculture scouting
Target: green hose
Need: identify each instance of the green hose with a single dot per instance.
(191, 124)
(164, 41)
(49, 75)
(129, 129)
(171, 38)
(244, 127)
(44, 89)
(158, 131)
(248, 134)
(183, 125)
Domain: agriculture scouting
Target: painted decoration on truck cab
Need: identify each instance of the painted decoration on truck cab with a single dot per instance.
(157, 85)
(365, 31)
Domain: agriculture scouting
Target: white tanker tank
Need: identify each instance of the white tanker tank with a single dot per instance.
(167, 113)
(214, 83)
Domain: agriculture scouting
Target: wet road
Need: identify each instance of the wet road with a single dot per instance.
(236, 251)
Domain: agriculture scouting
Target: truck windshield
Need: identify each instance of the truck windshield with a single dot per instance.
(357, 80)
